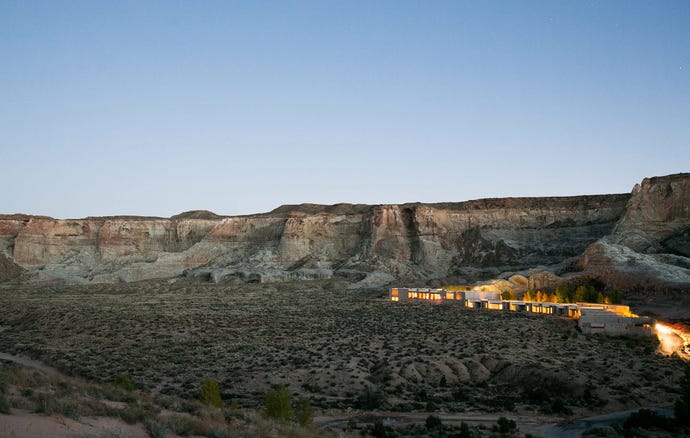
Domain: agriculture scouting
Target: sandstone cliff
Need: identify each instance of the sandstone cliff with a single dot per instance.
(475, 238)
(635, 242)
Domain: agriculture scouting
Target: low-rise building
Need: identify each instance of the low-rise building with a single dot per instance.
(593, 321)
(441, 295)
(609, 319)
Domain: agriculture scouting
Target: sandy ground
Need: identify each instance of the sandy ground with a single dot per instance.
(31, 364)
(23, 424)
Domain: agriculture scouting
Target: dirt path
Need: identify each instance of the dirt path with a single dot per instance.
(335, 420)
(34, 364)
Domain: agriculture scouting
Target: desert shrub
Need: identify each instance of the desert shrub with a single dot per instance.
(465, 430)
(647, 419)
(304, 414)
(682, 407)
(106, 433)
(459, 394)
(123, 381)
(137, 413)
(155, 428)
(68, 407)
(381, 372)
(379, 430)
(5, 407)
(370, 398)
(601, 432)
(221, 433)
(279, 404)
(210, 394)
(433, 422)
(184, 425)
(46, 401)
(430, 406)
(4, 403)
(557, 406)
(504, 425)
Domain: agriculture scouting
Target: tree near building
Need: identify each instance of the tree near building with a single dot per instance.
(581, 294)
(279, 404)
(562, 293)
(508, 295)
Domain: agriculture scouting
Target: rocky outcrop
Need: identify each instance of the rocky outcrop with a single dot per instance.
(648, 249)
(657, 217)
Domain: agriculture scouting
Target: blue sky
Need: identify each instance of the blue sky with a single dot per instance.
(154, 108)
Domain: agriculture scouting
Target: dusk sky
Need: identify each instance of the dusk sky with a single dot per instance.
(154, 108)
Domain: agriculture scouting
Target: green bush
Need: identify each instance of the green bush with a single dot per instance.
(379, 430)
(304, 414)
(137, 413)
(5, 407)
(433, 422)
(124, 382)
(647, 419)
(279, 404)
(504, 425)
(370, 398)
(155, 428)
(210, 394)
(184, 425)
(465, 430)
(46, 401)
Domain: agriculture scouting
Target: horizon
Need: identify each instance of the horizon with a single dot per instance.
(344, 203)
(337, 204)
(123, 108)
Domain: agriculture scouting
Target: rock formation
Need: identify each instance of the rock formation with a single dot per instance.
(410, 240)
(649, 248)
(605, 236)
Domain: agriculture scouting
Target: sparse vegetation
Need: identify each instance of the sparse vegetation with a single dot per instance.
(304, 413)
(682, 408)
(336, 348)
(210, 395)
(5, 407)
(279, 404)
(124, 382)
(52, 394)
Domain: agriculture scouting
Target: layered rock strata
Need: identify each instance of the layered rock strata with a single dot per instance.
(649, 248)
(420, 241)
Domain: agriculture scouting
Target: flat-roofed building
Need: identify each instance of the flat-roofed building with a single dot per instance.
(593, 321)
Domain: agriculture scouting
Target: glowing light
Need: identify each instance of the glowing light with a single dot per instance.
(662, 329)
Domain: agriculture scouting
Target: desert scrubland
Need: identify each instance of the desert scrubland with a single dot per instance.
(343, 350)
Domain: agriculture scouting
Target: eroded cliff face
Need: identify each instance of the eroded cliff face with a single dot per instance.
(408, 241)
(649, 248)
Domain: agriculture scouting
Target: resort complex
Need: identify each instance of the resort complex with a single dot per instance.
(609, 319)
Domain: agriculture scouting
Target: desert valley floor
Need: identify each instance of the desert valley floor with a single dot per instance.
(340, 348)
